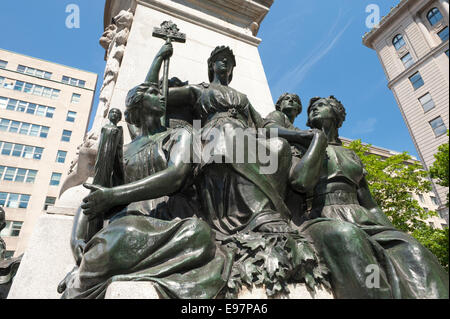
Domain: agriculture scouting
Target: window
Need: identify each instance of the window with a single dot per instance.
(72, 81)
(427, 102)
(23, 128)
(34, 72)
(443, 34)
(422, 200)
(56, 178)
(438, 126)
(12, 200)
(29, 88)
(447, 52)
(61, 156)
(3, 64)
(9, 254)
(12, 229)
(75, 98)
(66, 136)
(398, 42)
(71, 116)
(416, 80)
(407, 60)
(20, 175)
(19, 150)
(7, 148)
(434, 16)
(49, 201)
(19, 86)
(434, 200)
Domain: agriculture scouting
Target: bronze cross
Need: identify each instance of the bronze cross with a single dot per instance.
(169, 32)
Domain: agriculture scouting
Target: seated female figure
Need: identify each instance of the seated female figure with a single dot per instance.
(179, 256)
(353, 235)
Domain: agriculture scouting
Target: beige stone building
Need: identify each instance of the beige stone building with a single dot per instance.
(427, 201)
(412, 45)
(44, 114)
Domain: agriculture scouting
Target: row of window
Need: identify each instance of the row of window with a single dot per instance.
(35, 72)
(15, 174)
(407, 59)
(29, 88)
(73, 81)
(33, 129)
(44, 74)
(427, 103)
(12, 200)
(433, 200)
(19, 150)
(23, 128)
(35, 89)
(26, 151)
(30, 108)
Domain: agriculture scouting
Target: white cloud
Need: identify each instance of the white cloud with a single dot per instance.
(294, 78)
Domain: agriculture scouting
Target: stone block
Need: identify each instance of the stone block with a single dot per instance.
(46, 261)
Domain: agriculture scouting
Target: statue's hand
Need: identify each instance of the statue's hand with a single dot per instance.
(166, 51)
(99, 201)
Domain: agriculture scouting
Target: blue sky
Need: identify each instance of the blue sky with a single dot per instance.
(312, 48)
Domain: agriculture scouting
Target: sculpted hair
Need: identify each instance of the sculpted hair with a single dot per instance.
(212, 59)
(283, 96)
(337, 107)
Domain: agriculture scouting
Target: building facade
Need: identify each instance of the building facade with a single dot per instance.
(44, 114)
(428, 201)
(412, 45)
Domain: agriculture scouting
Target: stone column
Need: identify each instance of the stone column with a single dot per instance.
(425, 32)
(445, 7)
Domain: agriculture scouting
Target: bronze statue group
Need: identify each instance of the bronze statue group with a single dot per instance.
(206, 229)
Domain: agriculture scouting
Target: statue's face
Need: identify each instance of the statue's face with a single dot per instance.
(115, 115)
(291, 105)
(153, 104)
(319, 111)
(223, 63)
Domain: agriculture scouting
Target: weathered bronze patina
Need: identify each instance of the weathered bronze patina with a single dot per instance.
(351, 233)
(190, 208)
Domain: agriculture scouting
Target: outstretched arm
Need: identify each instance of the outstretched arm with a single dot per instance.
(163, 183)
(291, 135)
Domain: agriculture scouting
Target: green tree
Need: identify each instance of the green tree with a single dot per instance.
(439, 170)
(392, 181)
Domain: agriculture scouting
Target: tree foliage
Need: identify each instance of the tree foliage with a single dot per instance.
(392, 181)
(439, 170)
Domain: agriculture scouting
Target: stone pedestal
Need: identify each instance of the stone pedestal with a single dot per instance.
(46, 261)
